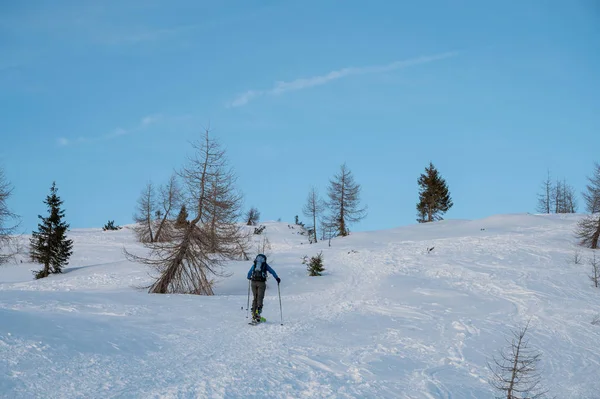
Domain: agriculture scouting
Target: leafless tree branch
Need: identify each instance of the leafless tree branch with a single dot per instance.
(545, 204)
(169, 198)
(588, 228)
(313, 208)
(9, 222)
(145, 211)
(344, 201)
(515, 374)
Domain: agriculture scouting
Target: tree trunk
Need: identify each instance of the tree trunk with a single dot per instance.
(45, 272)
(513, 376)
(160, 226)
(596, 235)
(149, 221)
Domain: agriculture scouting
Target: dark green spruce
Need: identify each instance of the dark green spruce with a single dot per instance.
(434, 197)
(49, 245)
(182, 217)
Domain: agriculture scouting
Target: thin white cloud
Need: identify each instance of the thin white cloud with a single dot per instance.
(143, 124)
(304, 83)
(150, 120)
(63, 141)
(244, 98)
(116, 133)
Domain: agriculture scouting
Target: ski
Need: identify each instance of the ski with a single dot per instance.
(253, 322)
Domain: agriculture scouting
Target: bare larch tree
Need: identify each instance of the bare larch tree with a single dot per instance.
(592, 195)
(588, 228)
(344, 202)
(313, 208)
(557, 197)
(226, 236)
(192, 258)
(8, 221)
(169, 200)
(145, 211)
(545, 204)
(514, 374)
(252, 216)
(564, 197)
(569, 198)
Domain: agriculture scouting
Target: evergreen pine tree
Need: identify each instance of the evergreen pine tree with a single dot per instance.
(252, 217)
(434, 197)
(49, 245)
(315, 265)
(182, 217)
(110, 225)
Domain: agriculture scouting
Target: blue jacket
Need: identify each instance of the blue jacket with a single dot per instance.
(268, 269)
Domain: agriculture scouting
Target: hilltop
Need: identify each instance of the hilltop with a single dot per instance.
(389, 318)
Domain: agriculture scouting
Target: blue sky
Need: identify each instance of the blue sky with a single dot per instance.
(103, 96)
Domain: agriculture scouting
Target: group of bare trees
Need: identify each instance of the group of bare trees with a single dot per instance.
(343, 206)
(155, 210)
(313, 209)
(559, 197)
(556, 197)
(188, 254)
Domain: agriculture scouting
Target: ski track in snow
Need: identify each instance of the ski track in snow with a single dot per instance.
(387, 320)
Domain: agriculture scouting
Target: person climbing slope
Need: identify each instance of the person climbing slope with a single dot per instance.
(258, 277)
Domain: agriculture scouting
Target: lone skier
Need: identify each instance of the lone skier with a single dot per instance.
(258, 276)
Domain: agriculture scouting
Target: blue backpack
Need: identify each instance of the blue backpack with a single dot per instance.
(260, 269)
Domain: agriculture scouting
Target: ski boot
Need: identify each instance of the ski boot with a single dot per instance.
(256, 316)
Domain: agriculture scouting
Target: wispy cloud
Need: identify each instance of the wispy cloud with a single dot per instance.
(143, 124)
(150, 120)
(304, 83)
(62, 141)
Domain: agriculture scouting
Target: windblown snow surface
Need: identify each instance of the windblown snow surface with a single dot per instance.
(388, 319)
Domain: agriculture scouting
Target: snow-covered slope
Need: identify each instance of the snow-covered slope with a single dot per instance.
(388, 319)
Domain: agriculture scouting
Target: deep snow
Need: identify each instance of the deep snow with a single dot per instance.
(387, 320)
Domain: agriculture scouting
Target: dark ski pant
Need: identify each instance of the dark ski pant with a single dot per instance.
(258, 292)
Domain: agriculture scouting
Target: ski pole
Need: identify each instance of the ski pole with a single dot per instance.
(248, 304)
(280, 311)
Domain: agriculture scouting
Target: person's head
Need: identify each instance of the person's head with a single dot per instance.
(260, 258)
